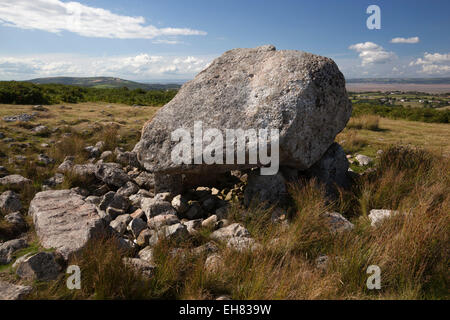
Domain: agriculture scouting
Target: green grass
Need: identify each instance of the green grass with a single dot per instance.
(399, 112)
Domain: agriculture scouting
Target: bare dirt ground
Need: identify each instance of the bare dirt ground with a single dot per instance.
(429, 88)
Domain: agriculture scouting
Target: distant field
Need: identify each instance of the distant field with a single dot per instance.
(430, 88)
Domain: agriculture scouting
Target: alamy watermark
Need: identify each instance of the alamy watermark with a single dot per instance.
(374, 280)
(374, 20)
(213, 146)
(74, 280)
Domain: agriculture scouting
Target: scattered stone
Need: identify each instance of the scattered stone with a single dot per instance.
(378, 215)
(176, 232)
(322, 262)
(180, 204)
(222, 212)
(153, 207)
(145, 236)
(8, 248)
(64, 220)
(16, 219)
(39, 108)
(54, 181)
(146, 254)
(87, 171)
(106, 154)
(145, 180)
(94, 200)
(113, 200)
(214, 263)
(363, 160)
(164, 196)
(193, 225)
(101, 190)
(21, 117)
(112, 174)
(113, 213)
(136, 226)
(126, 244)
(128, 189)
(81, 191)
(243, 244)
(10, 202)
(141, 266)
(120, 223)
(278, 215)
(337, 222)
(92, 151)
(44, 159)
(41, 266)
(100, 145)
(40, 130)
(138, 214)
(233, 230)
(210, 221)
(206, 249)
(15, 180)
(162, 220)
(222, 224)
(9, 291)
(195, 211)
(66, 165)
(127, 159)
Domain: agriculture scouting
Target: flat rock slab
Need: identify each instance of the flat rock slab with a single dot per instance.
(64, 220)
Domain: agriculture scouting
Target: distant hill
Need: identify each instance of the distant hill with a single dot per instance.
(400, 80)
(103, 82)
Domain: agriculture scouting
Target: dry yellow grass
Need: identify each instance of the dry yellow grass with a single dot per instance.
(430, 136)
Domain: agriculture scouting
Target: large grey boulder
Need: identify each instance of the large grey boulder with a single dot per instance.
(64, 220)
(9, 291)
(301, 94)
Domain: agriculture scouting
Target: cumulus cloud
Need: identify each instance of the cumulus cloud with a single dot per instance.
(405, 40)
(56, 16)
(136, 67)
(371, 53)
(433, 63)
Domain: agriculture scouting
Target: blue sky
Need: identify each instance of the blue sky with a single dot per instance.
(169, 39)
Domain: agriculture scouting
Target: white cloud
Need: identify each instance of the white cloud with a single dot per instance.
(371, 53)
(433, 63)
(56, 16)
(136, 67)
(405, 40)
(166, 41)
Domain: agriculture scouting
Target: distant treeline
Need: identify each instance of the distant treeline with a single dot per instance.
(12, 92)
(399, 112)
